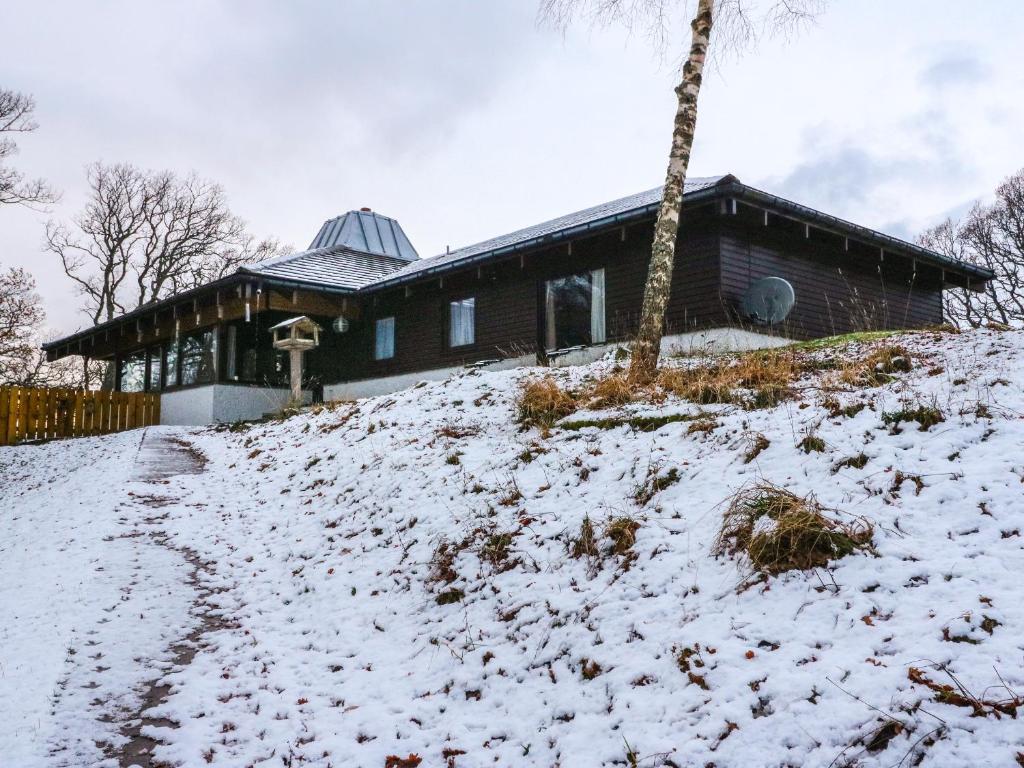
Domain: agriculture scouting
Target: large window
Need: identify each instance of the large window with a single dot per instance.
(384, 339)
(461, 322)
(199, 358)
(154, 358)
(171, 364)
(133, 372)
(574, 310)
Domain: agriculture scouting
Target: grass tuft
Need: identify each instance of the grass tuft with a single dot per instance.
(927, 416)
(779, 531)
(585, 545)
(622, 532)
(542, 402)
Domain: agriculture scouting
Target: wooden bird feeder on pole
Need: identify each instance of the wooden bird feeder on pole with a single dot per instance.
(297, 335)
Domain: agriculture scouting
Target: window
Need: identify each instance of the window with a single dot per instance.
(384, 339)
(574, 310)
(171, 364)
(461, 322)
(231, 354)
(155, 358)
(198, 358)
(133, 372)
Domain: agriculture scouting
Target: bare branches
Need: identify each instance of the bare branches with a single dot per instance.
(145, 235)
(991, 236)
(16, 111)
(738, 24)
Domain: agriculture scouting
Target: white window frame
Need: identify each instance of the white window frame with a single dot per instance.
(462, 322)
(384, 338)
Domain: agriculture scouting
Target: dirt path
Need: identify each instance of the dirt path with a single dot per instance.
(160, 459)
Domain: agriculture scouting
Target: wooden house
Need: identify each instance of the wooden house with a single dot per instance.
(555, 293)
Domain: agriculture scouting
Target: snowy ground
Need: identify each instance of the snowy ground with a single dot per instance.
(343, 646)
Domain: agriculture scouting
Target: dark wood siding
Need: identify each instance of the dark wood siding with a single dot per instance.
(837, 291)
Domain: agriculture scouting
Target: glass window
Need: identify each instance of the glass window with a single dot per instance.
(133, 372)
(574, 310)
(171, 364)
(198, 358)
(231, 354)
(384, 339)
(461, 322)
(155, 358)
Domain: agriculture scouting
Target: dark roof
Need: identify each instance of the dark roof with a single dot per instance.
(336, 267)
(368, 232)
(587, 218)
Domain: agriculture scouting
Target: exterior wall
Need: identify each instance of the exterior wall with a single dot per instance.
(509, 302)
(220, 403)
(836, 291)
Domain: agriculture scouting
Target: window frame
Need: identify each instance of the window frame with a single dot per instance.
(461, 304)
(597, 300)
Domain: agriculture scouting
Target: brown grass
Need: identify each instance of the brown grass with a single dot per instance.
(542, 402)
(585, 545)
(622, 532)
(877, 367)
(611, 391)
(799, 534)
(761, 379)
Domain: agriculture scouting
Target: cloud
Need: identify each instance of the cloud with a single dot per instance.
(952, 69)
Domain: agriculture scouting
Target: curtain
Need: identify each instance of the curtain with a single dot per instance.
(384, 339)
(462, 321)
(597, 332)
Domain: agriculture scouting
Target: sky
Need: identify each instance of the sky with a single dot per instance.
(466, 119)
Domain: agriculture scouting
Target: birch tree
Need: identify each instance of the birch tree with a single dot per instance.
(990, 236)
(734, 25)
(16, 116)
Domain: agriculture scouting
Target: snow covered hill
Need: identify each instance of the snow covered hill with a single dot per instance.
(422, 578)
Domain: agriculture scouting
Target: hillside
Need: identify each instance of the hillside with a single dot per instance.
(421, 575)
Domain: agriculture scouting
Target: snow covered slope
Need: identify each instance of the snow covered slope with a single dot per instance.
(399, 579)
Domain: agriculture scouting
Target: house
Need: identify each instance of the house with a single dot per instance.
(555, 293)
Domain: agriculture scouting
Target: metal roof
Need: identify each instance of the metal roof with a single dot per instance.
(368, 232)
(587, 216)
(335, 266)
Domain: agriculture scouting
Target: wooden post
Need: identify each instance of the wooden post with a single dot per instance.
(295, 361)
(5, 405)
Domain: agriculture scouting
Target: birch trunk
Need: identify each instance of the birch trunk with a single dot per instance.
(647, 345)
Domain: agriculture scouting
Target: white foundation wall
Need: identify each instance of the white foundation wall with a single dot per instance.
(696, 342)
(221, 403)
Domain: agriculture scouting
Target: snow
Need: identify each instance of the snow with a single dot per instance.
(320, 531)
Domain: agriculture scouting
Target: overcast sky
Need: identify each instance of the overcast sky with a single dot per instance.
(464, 120)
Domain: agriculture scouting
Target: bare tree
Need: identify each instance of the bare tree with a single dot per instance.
(735, 23)
(21, 317)
(16, 117)
(22, 361)
(991, 236)
(145, 235)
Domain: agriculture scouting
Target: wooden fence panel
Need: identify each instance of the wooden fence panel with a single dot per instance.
(54, 413)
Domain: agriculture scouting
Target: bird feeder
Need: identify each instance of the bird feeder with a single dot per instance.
(297, 335)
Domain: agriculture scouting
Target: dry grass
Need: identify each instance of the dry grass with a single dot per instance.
(542, 402)
(779, 531)
(761, 379)
(877, 367)
(611, 391)
(585, 545)
(622, 532)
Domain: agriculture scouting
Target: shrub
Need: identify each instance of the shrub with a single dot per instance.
(541, 402)
(779, 531)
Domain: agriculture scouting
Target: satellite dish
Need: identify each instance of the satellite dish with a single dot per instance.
(340, 324)
(768, 301)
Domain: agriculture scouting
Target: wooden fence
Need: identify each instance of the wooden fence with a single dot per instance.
(47, 414)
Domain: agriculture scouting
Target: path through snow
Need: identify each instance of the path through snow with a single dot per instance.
(91, 598)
